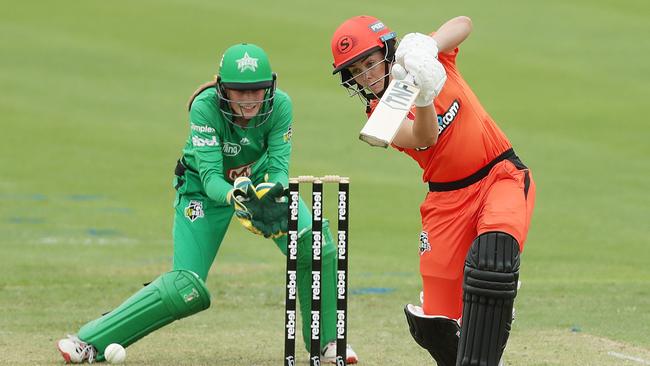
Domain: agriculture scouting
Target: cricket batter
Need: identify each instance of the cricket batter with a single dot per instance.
(476, 215)
(236, 160)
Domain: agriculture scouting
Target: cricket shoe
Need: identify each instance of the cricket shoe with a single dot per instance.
(328, 354)
(74, 350)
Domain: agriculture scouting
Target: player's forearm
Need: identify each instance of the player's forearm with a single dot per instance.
(279, 153)
(216, 188)
(422, 132)
(425, 126)
(278, 174)
(209, 165)
(453, 33)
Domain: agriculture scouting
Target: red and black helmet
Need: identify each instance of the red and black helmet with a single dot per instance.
(357, 38)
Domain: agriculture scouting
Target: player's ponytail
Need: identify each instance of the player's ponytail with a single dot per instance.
(199, 90)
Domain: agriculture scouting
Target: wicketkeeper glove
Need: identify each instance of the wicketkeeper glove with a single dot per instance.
(262, 210)
(416, 61)
(244, 200)
(274, 203)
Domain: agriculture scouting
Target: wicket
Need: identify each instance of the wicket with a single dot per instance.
(342, 268)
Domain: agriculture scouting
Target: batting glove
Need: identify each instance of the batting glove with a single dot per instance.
(416, 42)
(416, 62)
(424, 71)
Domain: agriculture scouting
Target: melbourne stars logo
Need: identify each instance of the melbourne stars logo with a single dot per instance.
(247, 63)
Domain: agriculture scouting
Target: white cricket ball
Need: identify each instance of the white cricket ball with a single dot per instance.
(115, 353)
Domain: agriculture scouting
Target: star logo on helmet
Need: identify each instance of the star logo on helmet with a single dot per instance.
(247, 63)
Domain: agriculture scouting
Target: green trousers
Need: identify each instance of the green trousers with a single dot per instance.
(200, 226)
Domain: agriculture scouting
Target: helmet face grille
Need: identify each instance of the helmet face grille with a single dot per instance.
(264, 113)
(245, 66)
(366, 94)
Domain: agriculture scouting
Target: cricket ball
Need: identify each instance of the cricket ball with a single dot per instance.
(115, 353)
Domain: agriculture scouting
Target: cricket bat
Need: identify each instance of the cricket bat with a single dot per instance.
(394, 105)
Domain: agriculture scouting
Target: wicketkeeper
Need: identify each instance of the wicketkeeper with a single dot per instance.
(236, 160)
(476, 215)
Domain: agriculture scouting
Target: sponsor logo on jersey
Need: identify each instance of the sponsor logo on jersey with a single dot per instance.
(194, 210)
(377, 26)
(241, 171)
(199, 141)
(230, 149)
(247, 63)
(244, 141)
(424, 242)
(444, 120)
(203, 128)
(287, 135)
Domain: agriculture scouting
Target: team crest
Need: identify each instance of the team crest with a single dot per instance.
(287, 135)
(424, 242)
(194, 210)
(247, 63)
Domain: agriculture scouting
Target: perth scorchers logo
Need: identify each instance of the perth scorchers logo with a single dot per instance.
(345, 44)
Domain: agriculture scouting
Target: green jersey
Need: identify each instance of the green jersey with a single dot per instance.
(217, 151)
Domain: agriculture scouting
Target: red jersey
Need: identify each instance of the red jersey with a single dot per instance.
(468, 138)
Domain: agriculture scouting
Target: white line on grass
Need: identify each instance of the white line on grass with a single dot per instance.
(626, 357)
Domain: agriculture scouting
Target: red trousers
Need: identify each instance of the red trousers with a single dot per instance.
(502, 201)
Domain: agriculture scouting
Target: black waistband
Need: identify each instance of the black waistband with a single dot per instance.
(181, 167)
(478, 175)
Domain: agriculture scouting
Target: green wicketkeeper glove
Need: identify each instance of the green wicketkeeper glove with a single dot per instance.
(274, 209)
(262, 209)
(244, 200)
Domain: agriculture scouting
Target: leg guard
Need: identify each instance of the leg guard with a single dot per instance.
(172, 296)
(327, 282)
(436, 334)
(489, 290)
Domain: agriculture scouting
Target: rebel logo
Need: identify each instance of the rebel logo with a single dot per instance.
(344, 44)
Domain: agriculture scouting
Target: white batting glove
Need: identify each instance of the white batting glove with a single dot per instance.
(416, 42)
(423, 70)
(399, 73)
(416, 61)
(428, 73)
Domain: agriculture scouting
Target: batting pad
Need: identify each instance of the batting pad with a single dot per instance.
(172, 296)
(489, 290)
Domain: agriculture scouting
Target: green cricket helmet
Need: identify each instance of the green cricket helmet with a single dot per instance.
(246, 66)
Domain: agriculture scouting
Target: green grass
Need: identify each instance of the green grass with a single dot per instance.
(92, 118)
